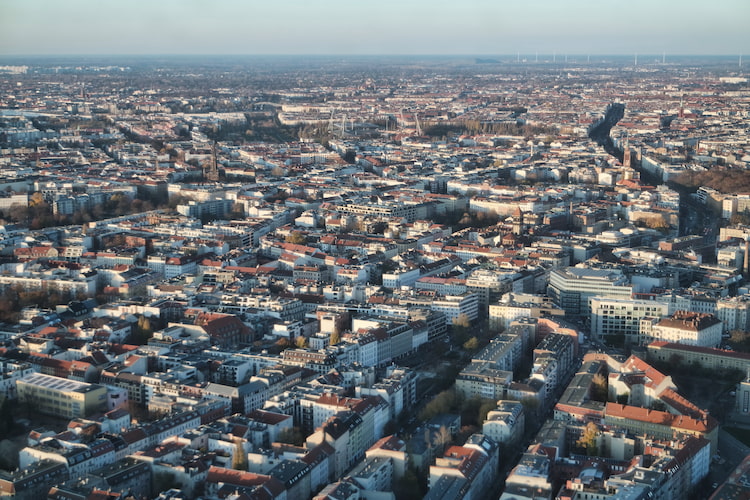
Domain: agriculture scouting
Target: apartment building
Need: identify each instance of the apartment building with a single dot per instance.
(612, 318)
(684, 327)
(514, 306)
(706, 357)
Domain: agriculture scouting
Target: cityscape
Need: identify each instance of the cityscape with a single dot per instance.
(293, 275)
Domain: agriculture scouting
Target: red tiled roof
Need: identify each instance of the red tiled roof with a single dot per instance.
(660, 417)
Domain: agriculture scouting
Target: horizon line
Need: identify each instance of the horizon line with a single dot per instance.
(368, 54)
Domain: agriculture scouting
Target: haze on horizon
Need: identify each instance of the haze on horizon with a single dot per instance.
(346, 27)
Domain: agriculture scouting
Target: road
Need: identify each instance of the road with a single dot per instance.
(730, 450)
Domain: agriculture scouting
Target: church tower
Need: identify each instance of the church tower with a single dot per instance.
(518, 221)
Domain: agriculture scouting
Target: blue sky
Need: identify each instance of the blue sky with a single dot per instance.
(53, 27)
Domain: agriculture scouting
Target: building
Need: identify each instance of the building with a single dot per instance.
(705, 357)
(742, 397)
(572, 287)
(479, 379)
(61, 397)
(464, 471)
(734, 313)
(661, 424)
(33, 482)
(505, 424)
(685, 327)
(514, 306)
(621, 318)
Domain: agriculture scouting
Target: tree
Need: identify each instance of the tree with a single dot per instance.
(283, 343)
(239, 459)
(6, 416)
(301, 342)
(472, 344)
(487, 406)
(296, 237)
(143, 331)
(447, 401)
(599, 390)
(739, 339)
(461, 324)
(335, 338)
(442, 439)
(407, 487)
(587, 441)
(293, 436)
(657, 223)
(350, 156)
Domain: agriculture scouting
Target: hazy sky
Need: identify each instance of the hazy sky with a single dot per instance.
(374, 27)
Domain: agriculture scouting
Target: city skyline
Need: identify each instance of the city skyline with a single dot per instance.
(83, 27)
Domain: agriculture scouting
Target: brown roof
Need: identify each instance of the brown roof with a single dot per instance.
(692, 321)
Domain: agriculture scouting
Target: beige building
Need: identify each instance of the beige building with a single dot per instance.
(686, 327)
(706, 357)
(61, 397)
(514, 306)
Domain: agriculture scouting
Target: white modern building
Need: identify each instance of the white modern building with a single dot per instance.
(611, 317)
(572, 287)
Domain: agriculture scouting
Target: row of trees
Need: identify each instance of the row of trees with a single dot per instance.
(473, 411)
(39, 213)
(15, 298)
(722, 179)
(479, 127)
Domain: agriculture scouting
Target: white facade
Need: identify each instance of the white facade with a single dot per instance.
(622, 316)
(703, 334)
